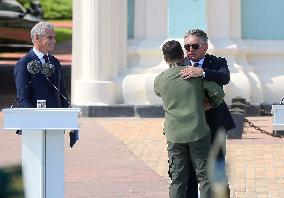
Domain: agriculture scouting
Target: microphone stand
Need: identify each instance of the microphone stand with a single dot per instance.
(20, 94)
(73, 134)
(69, 105)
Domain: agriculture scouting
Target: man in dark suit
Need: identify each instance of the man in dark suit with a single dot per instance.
(188, 135)
(211, 68)
(31, 88)
(40, 86)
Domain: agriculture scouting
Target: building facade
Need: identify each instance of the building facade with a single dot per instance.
(117, 47)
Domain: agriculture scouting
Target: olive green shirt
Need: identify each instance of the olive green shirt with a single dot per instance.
(183, 102)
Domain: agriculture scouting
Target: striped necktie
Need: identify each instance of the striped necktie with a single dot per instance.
(46, 58)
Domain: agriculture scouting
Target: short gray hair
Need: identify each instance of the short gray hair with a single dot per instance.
(198, 33)
(40, 28)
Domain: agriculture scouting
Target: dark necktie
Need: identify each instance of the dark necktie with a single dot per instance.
(46, 58)
(196, 65)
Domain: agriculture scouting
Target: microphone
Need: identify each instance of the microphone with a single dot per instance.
(61, 94)
(47, 69)
(34, 67)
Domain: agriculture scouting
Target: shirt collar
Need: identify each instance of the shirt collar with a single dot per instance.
(38, 53)
(199, 62)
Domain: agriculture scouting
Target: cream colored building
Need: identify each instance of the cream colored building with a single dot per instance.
(117, 47)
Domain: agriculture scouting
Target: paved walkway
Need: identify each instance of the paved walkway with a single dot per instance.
(126, 157)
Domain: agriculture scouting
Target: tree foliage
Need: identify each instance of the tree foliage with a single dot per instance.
(25, 3)
(53, 9)
(57, 9)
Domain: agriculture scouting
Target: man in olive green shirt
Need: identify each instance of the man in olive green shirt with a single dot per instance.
(185, 125)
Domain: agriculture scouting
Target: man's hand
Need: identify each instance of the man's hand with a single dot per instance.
(190, 72)
(207, 105)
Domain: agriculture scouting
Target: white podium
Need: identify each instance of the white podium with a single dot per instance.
(42, 146)
(278, 117)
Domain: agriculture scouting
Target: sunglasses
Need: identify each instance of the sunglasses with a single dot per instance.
(193, 46)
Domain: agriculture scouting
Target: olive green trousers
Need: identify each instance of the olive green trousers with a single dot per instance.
(180, 156)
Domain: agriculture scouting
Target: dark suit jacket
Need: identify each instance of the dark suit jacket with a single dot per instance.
(39, 88)
(216, 69)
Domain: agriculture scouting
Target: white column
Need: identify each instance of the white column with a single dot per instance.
(224, 31)
(144, 53)
(150, 19)
(218, 19)
(99, 51)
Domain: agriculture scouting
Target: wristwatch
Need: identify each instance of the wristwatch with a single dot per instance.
(203, 74)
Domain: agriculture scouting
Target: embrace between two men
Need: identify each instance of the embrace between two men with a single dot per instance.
(192, 93)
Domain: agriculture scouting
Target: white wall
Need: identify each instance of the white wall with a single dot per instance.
(107, 69)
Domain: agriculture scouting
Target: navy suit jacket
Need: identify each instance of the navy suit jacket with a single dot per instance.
(216, 69)
(31, 88)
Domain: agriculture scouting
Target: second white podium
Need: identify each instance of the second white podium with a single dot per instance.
(42, 146)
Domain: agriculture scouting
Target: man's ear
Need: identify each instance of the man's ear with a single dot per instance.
(206, 45)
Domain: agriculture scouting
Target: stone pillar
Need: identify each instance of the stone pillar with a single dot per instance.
(99, 51)
(144, 53)
(150, 19)
(224, 31)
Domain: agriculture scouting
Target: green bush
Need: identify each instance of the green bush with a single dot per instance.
(63, 34)
(25, 3)
(57, 9)
(53, 9)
